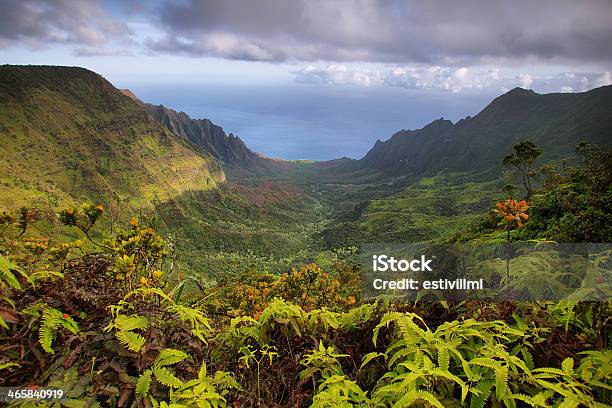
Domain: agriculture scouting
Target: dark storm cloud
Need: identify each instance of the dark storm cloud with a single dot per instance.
(440, 32)
(445, 32)
(39, 23)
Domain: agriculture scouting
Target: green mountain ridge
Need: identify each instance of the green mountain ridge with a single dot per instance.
(229, 149)
(67, 134)
(556, 122)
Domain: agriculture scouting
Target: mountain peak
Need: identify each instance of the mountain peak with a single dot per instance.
(520, 91)
(438, 123)
(553, 121)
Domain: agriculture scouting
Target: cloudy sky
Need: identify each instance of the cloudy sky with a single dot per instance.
(453, 47)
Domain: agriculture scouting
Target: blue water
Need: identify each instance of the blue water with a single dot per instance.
(317, 122)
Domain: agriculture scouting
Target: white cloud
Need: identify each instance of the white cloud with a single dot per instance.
(525, 80)
(337, 74)
(604, 79)
(419, 77)
(452, 79)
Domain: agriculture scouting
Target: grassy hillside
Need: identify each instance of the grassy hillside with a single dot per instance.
(265, 224)
(68, 135)
(433, 208)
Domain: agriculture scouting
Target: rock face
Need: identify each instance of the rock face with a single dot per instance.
(556, 122)
(229, 150)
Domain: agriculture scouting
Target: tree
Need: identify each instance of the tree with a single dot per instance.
(525, 154)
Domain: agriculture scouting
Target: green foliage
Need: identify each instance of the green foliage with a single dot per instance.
(595, 369)
(525, 154)
(250, 292)
(339, 391)
(160, 371)
(431, 209)
(124, 330)
(83, 221)
(574, 206)
(52, 320)
(322, 362)
(249, 356)
(7, 276)
(205, 391)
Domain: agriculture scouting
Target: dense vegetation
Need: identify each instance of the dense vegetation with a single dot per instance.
(112, 322)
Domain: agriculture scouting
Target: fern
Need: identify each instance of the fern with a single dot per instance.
(125, 326)
(413, 395)
(456, 354)
(339, 391)
(283, 314)
(323, 360)
(52, 319)
(7, 277)
(481, 393)
(168, 357)
(132, 341)
(130, 323)
(205, 391)
(163, 375)
(144, 383)
(200, 326)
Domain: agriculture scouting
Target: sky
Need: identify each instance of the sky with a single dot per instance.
(318, 79)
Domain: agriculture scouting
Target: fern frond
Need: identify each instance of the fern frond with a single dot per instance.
(4, 366)
(143, 384)
(168, 357)
(481, 394)
(501, 382)
(414, 395)
(443, 358)
(548, 372)
(164, 376)
(129, 323)
(525, 398)
(132, 341)
(52, 319)
(147, 292)
(6, 274)
(568, 366)
(369, 357)
(202, 373)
